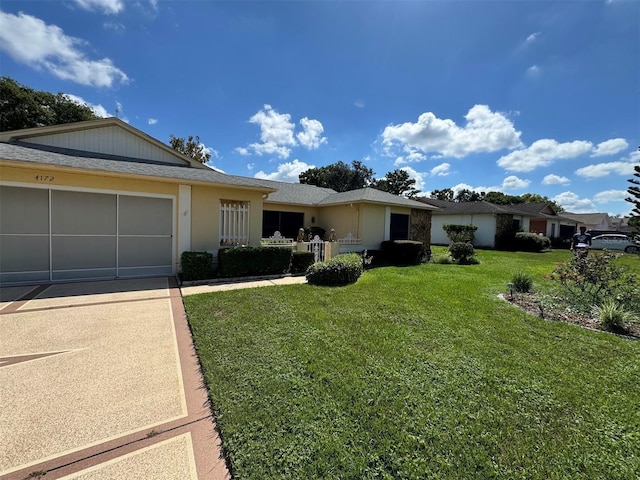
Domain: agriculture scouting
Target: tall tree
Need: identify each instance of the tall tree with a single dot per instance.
(339, 176)
(397, 182)
(23, 107)
(634, 198)
(190, 147)
(465, 195)
(445, 194)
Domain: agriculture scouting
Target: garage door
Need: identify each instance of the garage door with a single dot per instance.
(57, 235)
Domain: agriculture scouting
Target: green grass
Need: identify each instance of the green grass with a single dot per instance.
(416, 373)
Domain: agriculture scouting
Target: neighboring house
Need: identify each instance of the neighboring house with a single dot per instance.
(593, 221)
(101, 199)
(367, 214)
(493, 220)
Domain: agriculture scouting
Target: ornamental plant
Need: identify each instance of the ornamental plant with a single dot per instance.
(588, 282)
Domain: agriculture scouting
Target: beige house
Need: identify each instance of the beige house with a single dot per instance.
(101, 199)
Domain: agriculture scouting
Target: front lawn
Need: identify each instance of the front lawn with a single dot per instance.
(415, 373)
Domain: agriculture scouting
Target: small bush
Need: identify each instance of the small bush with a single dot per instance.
(522, 282)
(341, 270)
(404, 252)
(611, 316)
(442, 259)
(523, 242)
(247, 261)
(301, 261)
(460, 233)
(462, 253)
(196, 265)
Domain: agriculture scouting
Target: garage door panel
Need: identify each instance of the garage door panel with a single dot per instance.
(24, 253)
(24, 210)
(83, 213)
(140, 251)
(145, 216)
(75, 253)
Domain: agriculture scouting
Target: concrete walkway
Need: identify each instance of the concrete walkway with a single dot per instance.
(220, 286)
(99, 380)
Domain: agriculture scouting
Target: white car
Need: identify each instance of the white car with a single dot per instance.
(613, 241)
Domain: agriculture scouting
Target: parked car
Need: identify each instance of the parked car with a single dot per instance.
(612, 241)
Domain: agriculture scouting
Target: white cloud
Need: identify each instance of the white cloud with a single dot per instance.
(611, 196)
(604, 169)
(514, 183)
(286, 172)
(610, 147)
(210, 151)
(30, 41)
(553, 179)
(532, 38)
(311, 138)
(441, 170)
(485, 131)
(114, 27)
(277, 134)
(359, 104)
(110, 7)
(412, 156)
(573, 203)
(98, 110)
(152, 121)
(542, 153)
(533, 71)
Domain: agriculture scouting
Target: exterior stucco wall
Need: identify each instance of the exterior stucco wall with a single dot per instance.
(344, 219)
(205, 215)
(485, 235)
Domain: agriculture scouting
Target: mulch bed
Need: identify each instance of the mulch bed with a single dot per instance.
(530, 303)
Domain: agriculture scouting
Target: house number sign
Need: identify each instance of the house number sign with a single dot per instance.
(45, 178)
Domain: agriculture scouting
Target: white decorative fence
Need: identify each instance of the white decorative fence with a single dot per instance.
(318, 247)
(234, 223)
(277, 240)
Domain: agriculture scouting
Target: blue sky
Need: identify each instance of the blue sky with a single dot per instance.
(515, 96)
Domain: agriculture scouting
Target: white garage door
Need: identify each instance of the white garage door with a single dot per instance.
(56, 235)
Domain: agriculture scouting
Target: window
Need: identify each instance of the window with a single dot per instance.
(287, 223)
(234, 223)
(399, 227)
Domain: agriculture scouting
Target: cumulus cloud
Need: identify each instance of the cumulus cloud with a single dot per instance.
(441, 170)
(31, 41)
(610, 147)
(98, 110)
(604, 169)
(152, 121)
(484, 131)
(611, 196)
(553, 179)
(514, 183)
(110, 7)
(286, 172)
(311, 136)
(412, 156)
(573, 203)
(277, 134)
(542, 153)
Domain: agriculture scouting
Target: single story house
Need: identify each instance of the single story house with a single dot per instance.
(492, 220)
(101, 199)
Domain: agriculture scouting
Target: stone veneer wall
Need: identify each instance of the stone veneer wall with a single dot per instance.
(420, 226)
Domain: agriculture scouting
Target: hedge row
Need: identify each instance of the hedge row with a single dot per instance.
(340, 270)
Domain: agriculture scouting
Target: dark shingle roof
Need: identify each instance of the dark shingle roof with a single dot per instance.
(42, 155)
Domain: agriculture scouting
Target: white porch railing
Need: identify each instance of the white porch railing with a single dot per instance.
(277, 240)
(318, 247)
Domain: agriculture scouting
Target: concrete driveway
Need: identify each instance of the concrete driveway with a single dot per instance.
(99, 380)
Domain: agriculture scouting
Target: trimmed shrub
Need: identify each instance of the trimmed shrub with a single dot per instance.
(442, 259)
(462, 253)
(460, 233)
(523, 242)
(341, 270)
(248, 261)
(404, 252)
(196, 265)
(301, 261)
(522, 283)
